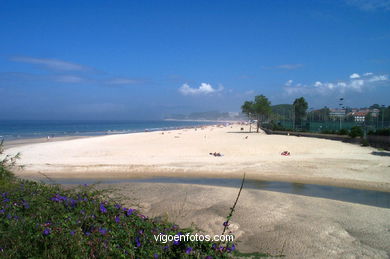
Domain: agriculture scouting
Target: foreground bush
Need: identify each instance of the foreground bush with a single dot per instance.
(46, 221)
(39, 220)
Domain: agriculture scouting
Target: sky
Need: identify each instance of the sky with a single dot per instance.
(148, 59)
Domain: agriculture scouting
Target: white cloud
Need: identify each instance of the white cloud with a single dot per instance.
(378, 78)
(53, 64)
(318, 84)
(289, 83)
(370, 5)
(204, 88)
(354, 75)
(355, 83)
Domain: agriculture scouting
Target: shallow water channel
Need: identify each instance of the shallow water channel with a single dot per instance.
(367, 197)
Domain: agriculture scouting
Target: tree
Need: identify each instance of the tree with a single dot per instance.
(283, 111)
(300, 108)
(247, 109)
(261, 108)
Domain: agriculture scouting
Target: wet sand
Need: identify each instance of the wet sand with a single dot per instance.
(276, 223)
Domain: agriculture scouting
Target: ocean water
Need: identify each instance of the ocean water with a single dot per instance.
(23, 129)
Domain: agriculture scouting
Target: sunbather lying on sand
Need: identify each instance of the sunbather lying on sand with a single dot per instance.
(215, 154)
(285, 153)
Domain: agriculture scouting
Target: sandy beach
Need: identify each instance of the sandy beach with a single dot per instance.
(270, 222)
(276, 223)
(185, 153)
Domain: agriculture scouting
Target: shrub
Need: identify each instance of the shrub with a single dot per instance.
(46, 221)
(380, 132)
(356, 131)
(364, 143)
(38, 220)
(343, 132)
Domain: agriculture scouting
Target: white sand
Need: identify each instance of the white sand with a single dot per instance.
(185, 153)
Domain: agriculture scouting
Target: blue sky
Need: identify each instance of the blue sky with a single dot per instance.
(145, 59)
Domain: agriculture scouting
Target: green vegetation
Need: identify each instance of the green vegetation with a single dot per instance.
(300, 107)
(380, 132)
(248, 109)
(46, 221)
(259, 109)
(356, 131)
(282, 111)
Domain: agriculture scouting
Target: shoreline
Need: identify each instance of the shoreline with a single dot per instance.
(37, 140)
(184, 153)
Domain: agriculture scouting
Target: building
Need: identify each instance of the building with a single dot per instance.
(337, 113)
(374, 112)
(359, 116)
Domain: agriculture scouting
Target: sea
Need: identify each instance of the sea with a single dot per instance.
(25, 129)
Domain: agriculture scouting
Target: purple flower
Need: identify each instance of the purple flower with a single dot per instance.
(73, 203)
(58, 198)
(117, 206)
(46, 231)
(102, 208)
(188, 250)
(129, 212)
(2, 211)
(72, 233)
(103, 231)
(225, 224)
(155, 256)
(176, 242)
(137, 242)
(87, 233)
(26, 205)
(117, 219)
(208, 257)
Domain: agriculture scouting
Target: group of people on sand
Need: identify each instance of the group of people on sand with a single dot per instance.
(215, 154)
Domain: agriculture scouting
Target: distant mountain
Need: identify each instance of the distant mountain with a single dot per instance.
(210, 115)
